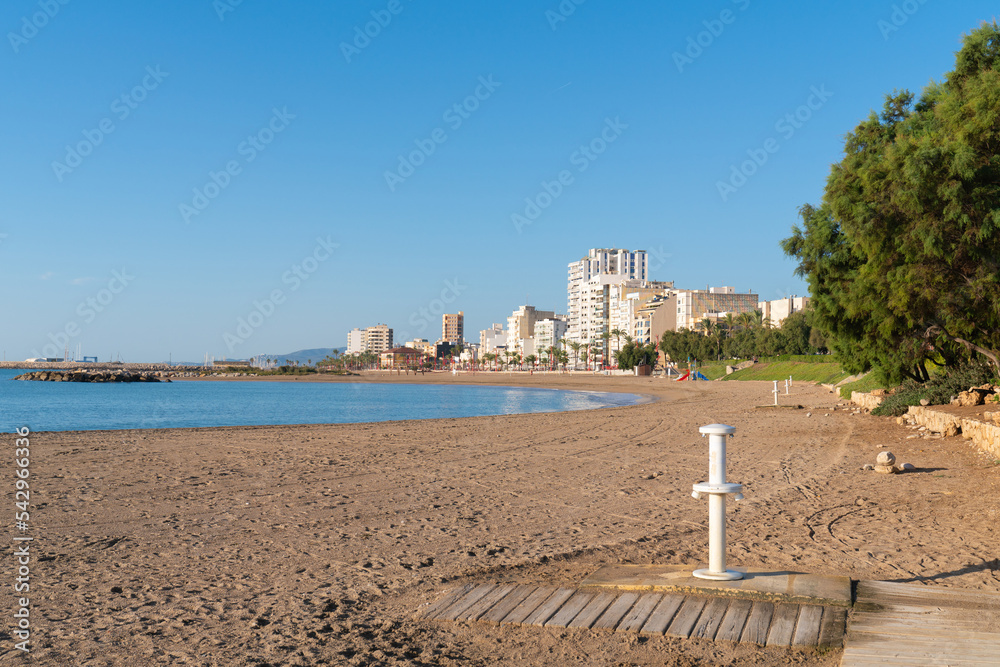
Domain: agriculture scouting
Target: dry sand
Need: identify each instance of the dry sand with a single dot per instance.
(312, 545)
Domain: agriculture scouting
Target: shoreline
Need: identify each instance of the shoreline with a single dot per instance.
(299, 544)
(642, 396)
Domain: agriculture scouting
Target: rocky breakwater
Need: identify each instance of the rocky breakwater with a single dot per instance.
(81, 375)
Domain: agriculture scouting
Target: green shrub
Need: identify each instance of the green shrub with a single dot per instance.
(939, 390)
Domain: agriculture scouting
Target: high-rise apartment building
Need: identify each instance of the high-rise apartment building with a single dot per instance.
(589, 285)
(378, 338)
(624, 264)
(356, 341)
(453, 327)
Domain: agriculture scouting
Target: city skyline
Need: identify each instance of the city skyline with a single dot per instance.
(234, 179)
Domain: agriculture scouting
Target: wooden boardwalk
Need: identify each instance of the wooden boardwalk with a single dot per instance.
(717, 618)
(908, 624)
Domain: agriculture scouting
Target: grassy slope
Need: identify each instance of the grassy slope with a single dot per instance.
(827, 373)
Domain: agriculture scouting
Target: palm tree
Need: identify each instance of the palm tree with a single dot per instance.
(618, 333)
(575, 346)
(605, 336)
(730, 320)
(746, 320)
(530, 360)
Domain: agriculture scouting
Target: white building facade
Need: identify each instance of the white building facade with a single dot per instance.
(585, 297)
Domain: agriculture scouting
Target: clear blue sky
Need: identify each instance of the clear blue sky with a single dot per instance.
(329, 122)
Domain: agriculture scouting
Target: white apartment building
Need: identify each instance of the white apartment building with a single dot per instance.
(589, 280)
(355, 341)
(776, 311)
(626, 300)
(378, 338)
(549, 332)
(492, 338)
(521, 327)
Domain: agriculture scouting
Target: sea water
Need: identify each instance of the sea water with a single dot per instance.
(84, 406)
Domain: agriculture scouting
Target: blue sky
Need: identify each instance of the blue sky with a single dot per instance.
(171, 170)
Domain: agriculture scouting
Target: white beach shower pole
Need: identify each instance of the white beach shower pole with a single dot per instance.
(717, 489)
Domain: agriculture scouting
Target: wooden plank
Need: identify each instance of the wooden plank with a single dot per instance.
(758, 624)
(735, 619)
(880, 650)
(932, 646)
(711, 618)
(616, 612)
(569, 610)
(807, 629)
(592, 611)
(485, 603)
(833, 626)
(889, 593)
(637, 616)
(783, 625)
(686, 617)
(463, 603)
(662, 615)
(445, 602)
(549, 607)
(528, 605)
(505, 606)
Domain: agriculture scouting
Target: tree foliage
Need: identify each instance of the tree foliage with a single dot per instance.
(635, 354)
(902, 255)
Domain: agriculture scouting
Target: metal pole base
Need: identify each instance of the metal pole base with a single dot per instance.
(728, 575)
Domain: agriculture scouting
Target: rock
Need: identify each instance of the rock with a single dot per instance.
(885, 470)
(906, 466)
(809, 414)
(900, 421)
(868, 466)
(971, 398)
(925, 402)
(885, 458)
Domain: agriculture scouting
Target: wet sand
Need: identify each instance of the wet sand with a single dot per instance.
(312, 545)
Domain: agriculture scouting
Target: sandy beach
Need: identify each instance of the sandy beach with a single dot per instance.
(315, 545)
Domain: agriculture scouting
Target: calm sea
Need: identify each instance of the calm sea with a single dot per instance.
(72, 406)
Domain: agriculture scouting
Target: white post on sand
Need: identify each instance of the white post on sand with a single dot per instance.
(786, 387)
(717, 489)
(775, 392)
